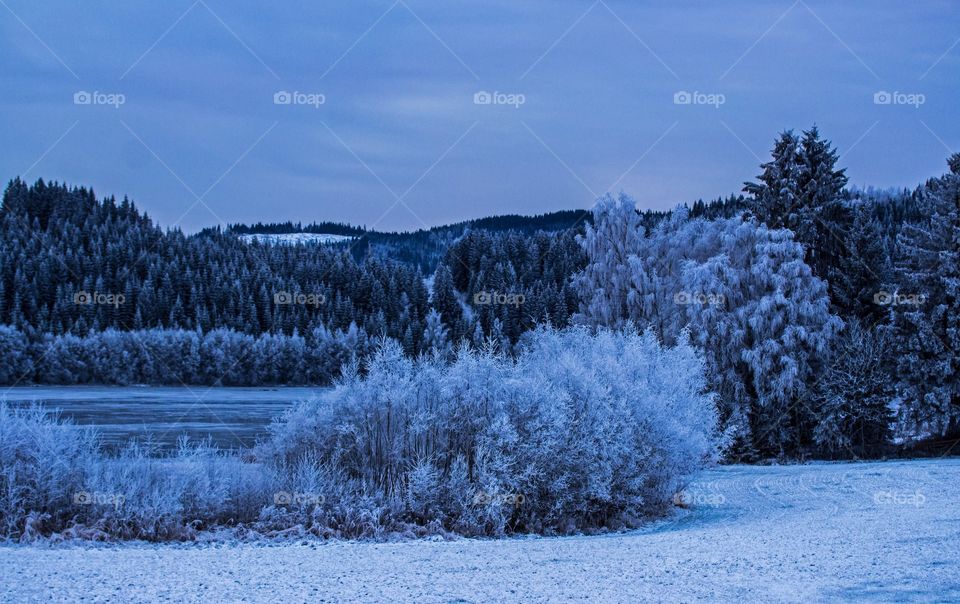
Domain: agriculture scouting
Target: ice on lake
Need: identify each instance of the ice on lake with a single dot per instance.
(231, 417)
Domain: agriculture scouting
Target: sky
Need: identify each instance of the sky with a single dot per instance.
(404, 114)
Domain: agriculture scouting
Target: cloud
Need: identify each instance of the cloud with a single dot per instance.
(399, 88)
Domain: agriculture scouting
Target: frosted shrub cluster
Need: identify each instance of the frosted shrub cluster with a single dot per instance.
(580, 432)
(55, 480)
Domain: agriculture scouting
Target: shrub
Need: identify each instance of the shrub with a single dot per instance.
(55, 479)
(43, 463)
(581, 432)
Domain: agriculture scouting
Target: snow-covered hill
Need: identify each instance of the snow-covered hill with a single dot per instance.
(816, 533)
(293, 238)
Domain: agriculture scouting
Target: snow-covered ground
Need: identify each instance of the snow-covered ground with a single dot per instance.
(293, 238)
(825, 532)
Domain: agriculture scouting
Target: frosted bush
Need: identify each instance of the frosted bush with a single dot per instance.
(54, 479)
(580, 432)
(43, 464)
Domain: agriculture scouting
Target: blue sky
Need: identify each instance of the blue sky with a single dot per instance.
(586, 101)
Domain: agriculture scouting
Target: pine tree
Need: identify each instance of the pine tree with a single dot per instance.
(928, 324)
(865, 270)
(777, 197)
(800, 189)
(445, 299)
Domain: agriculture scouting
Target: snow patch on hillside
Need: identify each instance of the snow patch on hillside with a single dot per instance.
(293, 238)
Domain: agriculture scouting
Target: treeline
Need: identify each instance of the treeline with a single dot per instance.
(70, 264)
(327, 228)
(828, 316)
(829, 319)
(426, 248)
(78, 275)
(220, 357)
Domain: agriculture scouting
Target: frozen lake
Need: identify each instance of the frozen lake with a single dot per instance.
(233, 417)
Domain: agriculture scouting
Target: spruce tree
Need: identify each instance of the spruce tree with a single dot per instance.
(800, 189)
(926, 309)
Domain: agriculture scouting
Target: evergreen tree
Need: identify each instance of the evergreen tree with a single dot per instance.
(800, 190)
(928, 320)
(445, 299)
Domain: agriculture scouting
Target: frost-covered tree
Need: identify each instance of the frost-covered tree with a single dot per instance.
(854, 395)
(741, 289)
(789, 327)
(606, 283)
(16, 365)
(928, 330)
(435, 338)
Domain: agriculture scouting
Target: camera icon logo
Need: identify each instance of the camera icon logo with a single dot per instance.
(282, 498)
(82, 97)
(482, 98)
(282, 97)
(82, 297)
(882, 97)
(82, 498)
(482, 298)
(882, 298)
(283, 298)
(682, 298)
(682, 97)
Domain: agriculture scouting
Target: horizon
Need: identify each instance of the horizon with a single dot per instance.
(306, 223)
(207, 112)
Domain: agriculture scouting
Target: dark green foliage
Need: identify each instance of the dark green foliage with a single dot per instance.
(59, 244)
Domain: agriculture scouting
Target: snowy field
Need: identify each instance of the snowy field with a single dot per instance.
(827, 532)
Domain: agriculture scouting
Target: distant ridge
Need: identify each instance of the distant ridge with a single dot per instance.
(551, 221)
